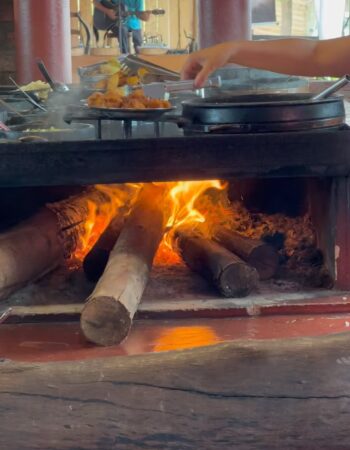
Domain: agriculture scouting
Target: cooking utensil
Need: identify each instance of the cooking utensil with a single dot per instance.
(4, 127)
(27, 96)
(55, 85)
(132, 63)
(159, 90)
(9, 108)
(332, 89)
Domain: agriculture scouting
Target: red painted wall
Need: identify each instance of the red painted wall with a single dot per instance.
(42, 30)
(223, 20)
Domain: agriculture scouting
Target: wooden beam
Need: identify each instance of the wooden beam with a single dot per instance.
(242, 395)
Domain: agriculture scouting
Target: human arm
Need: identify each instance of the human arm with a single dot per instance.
(143, 15)
(303, 57)
(108, 11)
(140, 12)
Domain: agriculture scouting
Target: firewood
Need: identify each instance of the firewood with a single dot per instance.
(257, 253)
(73, 213)
(29, 251)
(107, 316)
(38, 245)
(96, 260)
(231, 275)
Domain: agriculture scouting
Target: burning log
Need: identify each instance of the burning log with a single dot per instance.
(39, 244)
(107, 316)
(29, 251)
(85, 216)
(232, 276)
(96, 260)
(256, 253)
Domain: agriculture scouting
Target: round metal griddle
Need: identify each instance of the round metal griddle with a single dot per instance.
(261, 113)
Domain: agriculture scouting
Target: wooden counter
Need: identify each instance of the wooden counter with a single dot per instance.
(279, 394)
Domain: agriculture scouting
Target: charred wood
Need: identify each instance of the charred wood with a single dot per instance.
(96, 260)
(230, 274)
(262, 256)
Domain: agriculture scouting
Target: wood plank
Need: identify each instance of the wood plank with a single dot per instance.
(192, 158)
(244, 395)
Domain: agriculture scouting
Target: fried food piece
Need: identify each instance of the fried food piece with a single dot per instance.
(166, 104)
(113, 99)
(116, 99)
(132, 103)
(137, 93)
(122, 80)
(154, 103)
(96, 99)
(133, 81)
(113, 82)
(142, 73)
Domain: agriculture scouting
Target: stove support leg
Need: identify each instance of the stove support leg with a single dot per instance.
(156, 129)
(99, 129)
(127, 127)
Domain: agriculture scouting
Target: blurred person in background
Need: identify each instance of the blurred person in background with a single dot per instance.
(106, 17)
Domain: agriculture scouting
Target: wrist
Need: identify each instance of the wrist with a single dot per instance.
(231, 50)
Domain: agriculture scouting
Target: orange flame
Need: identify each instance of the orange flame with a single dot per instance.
(182, 199)
(180, 202)
(99, 216)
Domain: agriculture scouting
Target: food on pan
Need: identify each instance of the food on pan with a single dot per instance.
(41, 88)
(135, 100)
(113, 82)
(112, 76)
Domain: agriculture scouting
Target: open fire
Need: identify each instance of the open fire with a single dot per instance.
(117, 232)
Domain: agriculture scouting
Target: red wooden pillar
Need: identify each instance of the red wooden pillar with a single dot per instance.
(42, 30)
(223, 20)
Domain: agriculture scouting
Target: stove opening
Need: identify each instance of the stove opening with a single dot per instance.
(203, 248)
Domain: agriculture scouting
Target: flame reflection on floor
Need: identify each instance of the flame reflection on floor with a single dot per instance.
(63, 342)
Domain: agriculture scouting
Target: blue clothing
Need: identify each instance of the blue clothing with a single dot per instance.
(131, 22)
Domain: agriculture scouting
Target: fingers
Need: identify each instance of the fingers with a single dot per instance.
(203, 74)
(190, 69)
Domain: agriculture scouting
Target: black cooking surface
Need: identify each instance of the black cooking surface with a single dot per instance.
(287, 154)
(274, 99)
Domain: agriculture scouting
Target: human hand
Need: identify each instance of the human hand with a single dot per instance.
(199, 65)
(111, 14)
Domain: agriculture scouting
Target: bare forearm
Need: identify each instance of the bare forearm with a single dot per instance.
(303, 57)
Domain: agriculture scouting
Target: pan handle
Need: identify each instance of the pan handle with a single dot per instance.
(332, 89)
(45, 73)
